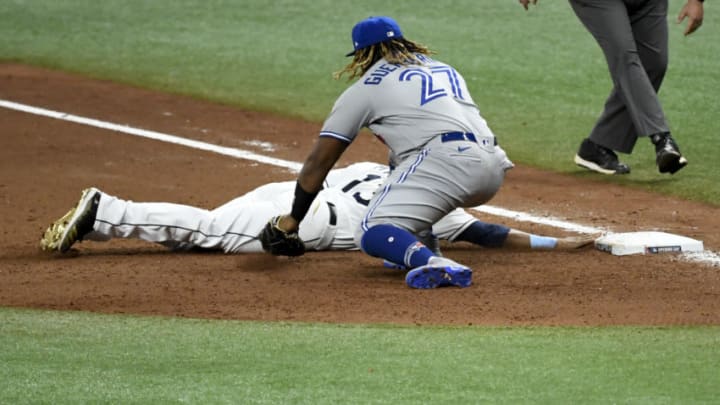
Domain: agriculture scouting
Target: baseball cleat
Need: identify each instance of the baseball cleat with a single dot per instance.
(599, 159)
(439, 272)
(74, 225)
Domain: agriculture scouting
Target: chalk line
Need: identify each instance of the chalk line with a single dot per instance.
(705, 257)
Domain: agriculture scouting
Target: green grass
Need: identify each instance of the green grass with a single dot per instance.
(539, 80)
(538, 77)
(72, 357)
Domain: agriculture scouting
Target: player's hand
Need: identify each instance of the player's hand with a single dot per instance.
(575, 242)
(526, 2)
(694, 12)
(281, 240)
(288, 224)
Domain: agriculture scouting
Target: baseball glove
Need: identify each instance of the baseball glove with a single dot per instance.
(280, 243)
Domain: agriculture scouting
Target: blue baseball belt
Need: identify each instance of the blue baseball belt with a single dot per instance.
(461, 136)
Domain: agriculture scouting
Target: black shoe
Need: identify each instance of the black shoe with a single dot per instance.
(599, 158)
(667, 153)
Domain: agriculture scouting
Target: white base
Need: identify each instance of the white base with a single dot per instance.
(631, 243)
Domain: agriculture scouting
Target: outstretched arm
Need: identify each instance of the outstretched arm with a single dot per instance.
(500, 236)
(523, 240)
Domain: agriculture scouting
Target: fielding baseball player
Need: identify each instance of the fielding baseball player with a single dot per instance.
(447, 155)
(234, 226)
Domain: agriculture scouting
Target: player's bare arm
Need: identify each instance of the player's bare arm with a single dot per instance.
(694, 12)
(576, 242)
(522, 240)
(490, 235)
(322, 158)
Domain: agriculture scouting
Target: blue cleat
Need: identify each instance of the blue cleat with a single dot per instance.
(439, 272)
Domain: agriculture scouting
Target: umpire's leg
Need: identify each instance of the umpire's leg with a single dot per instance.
(633, 108)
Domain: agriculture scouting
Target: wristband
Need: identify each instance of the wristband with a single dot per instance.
(301, 203)
(542, 242)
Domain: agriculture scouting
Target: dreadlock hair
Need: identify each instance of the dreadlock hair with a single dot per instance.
(396, 51)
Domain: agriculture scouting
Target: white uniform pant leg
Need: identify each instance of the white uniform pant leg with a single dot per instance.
(241, 220)
(232, 227)
(173, 225)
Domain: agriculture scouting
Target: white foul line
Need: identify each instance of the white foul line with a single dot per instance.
(238, 153)
(550, 221)
(706, 257)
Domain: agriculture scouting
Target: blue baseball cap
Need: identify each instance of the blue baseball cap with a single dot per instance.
(373, 30)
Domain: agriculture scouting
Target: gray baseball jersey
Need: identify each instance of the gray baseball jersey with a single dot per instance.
(406, 106)
(445, 150)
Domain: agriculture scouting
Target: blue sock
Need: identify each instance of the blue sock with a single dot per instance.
(396, 245)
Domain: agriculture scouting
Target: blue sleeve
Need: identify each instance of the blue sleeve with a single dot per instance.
(484, 234)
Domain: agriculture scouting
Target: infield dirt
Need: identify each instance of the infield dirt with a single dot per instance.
(47, 162)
